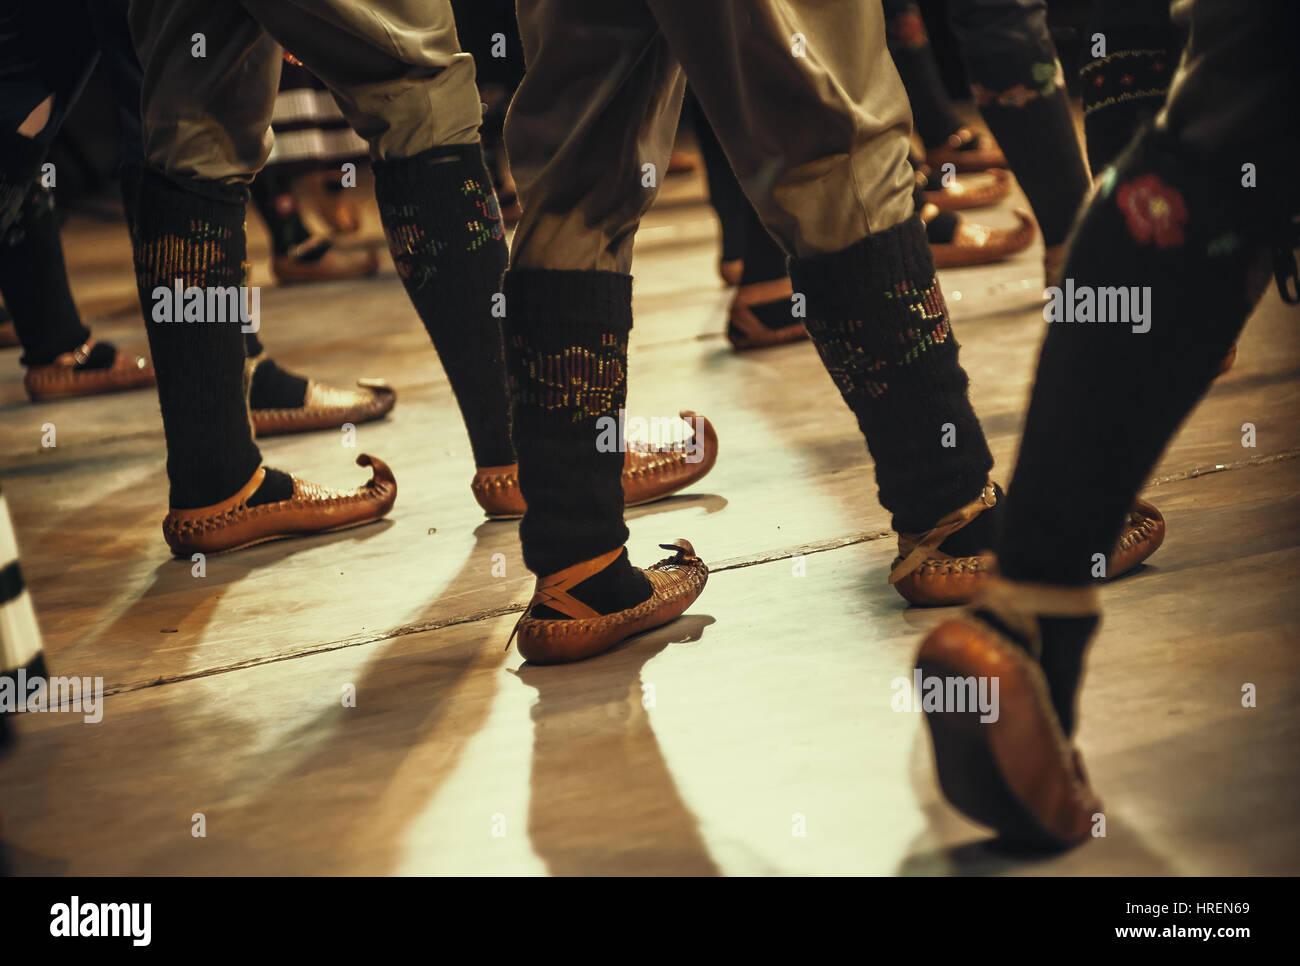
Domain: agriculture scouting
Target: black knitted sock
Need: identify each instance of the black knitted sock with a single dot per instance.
(276, 486)
(1181, 233)
(272, 195)
(1064, 643)
(940, 229)
(129, 186)
(1043, 151)
(725, 194)
(764, 259)
(444, 230)
(1125, 88)
(765, 262)
(566, 346)
(878, 319)
(192, 231)
(1021, 94)
(909, 45)
(276, 388)
(34, 282)
(617, 587)
(271, 386)
(20, 160)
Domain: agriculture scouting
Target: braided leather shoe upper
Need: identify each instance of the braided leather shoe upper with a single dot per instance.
(233, 524)
(675, 583)
(325, 407)
(61, 378)
(649, 473)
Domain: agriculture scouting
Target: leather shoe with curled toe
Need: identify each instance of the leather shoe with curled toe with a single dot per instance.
(232, 524)
(966, 151)
(974, 244)
(962, 195)
(325, 407)
(68, 374)
(927, 577)
(649, 473)
(675, 583)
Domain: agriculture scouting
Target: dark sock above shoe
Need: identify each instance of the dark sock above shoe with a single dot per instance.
(877, 316)
(276, 486)
(272, 193)
(34, 282)
(909, 45)
(726, 197)
(764, 259)
(444, 230)
(1173, 234)
(274, 388)
(566, 348)
(191, 232)
(977, 537)
(20, 160)
(1064, 643)
(765, 262)
(942, 227)
(617, 587)
(101, 356)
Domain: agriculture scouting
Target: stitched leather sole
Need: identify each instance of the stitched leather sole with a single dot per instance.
(59, 382)
(328, 408)
(961, 197)
(1017, 774)
(978, 245)
(676, 583)
(647, 475)
(233, 525)
(943, 581)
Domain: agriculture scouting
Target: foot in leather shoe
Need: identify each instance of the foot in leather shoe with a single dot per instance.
(967, 152)
(8, 334)
(649, 473)
(588, 608)
(963, 195)
(90, 369)
(760, 315)
(317, 260)
(261, 511)
(949, 563)
(973, 244)
(1017, 771)
(282, 402)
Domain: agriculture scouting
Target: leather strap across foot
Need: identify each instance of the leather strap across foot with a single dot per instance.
(1018, 605)
(553, 591)
(914, 549)
(232, 524)
(649, 473)
(675, 583)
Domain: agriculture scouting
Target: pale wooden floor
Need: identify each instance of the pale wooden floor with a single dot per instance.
(696, 749)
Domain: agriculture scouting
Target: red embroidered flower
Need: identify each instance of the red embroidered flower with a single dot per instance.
(1153, 211)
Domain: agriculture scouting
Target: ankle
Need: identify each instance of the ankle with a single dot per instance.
(275, 388)
(1053, 624)
(603, 585)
